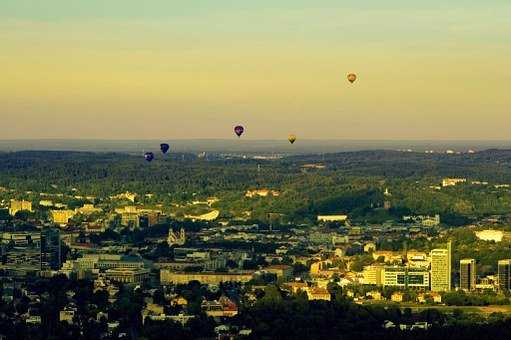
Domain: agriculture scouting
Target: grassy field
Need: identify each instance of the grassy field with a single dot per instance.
(505, 309)
(468, 309)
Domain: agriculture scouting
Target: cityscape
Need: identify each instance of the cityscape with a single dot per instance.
(255, 170)
(126, 263)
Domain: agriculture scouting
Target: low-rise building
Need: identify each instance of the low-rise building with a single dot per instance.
(62, 217)
(332, 218)
(224, 307)
(67, 314)
(375, 295)
(490, 235)
(281, 270)
(296, 287)
(317, 293)
(369, 247)
(401, 276)
(167, 276)
(127, 275)
(447, 182)
(16, 206)
(397, 297)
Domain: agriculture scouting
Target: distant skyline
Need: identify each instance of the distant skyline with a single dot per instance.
(274, 146)
(173, 69)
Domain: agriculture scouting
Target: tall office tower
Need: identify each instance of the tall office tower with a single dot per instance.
(441, 269)
(50, 249)
(504, 271)
(468, 274)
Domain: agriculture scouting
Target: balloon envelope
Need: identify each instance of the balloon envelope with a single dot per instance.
(352, 77)
(149, 156)
(238, 130)
(164, 147)
(292, 139)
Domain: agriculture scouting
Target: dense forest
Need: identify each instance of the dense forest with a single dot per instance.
(350, 182)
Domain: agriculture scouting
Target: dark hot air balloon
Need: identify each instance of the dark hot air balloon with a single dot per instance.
(238, 130)
(149, 156)
(164, 147)
(352, 77)
(291, 139)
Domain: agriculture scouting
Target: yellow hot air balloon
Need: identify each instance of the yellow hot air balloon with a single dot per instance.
(292, 139)
(352, 77)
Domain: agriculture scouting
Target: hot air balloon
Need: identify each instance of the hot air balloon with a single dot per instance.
(149, 156)
(352, 77)
(238, 130)
(164, 147)
(291, 139)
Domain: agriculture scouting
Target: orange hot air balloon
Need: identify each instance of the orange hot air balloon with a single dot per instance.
(352, 77)
(291, 139)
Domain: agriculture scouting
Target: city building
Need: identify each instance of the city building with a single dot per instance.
(94, 228)
(374, 295)
(20, 238)
(129, 216)
(62, 217)
(149, 219)
(319, 237)
(489, 282)
(369, 247)
(388, 256)
(67, 315)
(167, 276)
(490, 235)
(317, 268)
(424, 220)
(280, 270)
(397, 297)
(332, 218)
(127, 275)
(210, 216)
(16, 206)
(401, 276)
(441, 269)
(224, 307)
(296, 287)
(88, 209)
(262, 193)
(373, 275)
(46, 203)
(175, 239)
(468, 274)
(50, 249)
(447, 182)
(417, 259)
(317, 293)
(128, 196)
(504, 273)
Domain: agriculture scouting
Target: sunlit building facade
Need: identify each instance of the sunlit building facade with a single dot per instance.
(441, 269)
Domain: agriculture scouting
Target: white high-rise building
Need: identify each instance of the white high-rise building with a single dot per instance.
(441, 269)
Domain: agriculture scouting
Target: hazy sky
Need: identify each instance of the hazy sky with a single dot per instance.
(135, 69)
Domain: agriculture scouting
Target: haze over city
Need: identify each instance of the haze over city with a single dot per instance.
(228, 169)
(193, 69)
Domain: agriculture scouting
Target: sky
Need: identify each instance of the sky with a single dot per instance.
(172, 69)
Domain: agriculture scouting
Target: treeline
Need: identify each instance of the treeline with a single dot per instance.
(277, 316)
(352, 183)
